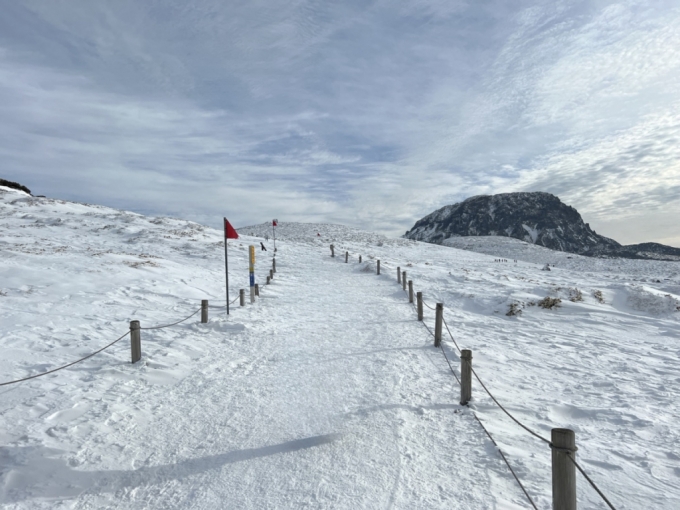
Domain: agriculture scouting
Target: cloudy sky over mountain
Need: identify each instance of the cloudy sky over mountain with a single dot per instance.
(370, 114)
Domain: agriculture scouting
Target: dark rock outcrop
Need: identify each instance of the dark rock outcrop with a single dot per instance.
(14, 185)
(537, 217)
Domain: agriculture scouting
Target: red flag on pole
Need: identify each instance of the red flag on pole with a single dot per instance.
(229, 231)
(274, 223)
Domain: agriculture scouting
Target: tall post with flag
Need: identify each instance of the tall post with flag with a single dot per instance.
(274, 224)
(229, 233)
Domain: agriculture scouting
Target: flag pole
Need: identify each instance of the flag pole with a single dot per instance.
(274, 225)
(226, 261)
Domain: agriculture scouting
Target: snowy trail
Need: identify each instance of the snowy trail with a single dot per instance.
(331, 396)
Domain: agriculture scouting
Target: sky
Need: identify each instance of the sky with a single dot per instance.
(368, 114)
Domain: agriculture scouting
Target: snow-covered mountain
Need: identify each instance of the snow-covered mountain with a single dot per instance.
(537, 217)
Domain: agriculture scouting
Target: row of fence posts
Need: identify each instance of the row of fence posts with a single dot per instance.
(563, 441)
(136, 330)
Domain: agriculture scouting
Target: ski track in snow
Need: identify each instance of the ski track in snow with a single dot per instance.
(327, 393)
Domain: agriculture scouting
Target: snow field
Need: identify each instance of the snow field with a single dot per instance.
(326, 393)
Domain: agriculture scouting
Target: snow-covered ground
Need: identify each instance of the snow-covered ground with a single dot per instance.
(327, 393)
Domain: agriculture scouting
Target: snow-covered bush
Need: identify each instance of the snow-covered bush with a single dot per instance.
(575, 295)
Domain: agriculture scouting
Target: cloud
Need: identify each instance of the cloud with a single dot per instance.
(371, 114)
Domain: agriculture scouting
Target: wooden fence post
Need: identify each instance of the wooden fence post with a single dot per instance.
(274, 264)
(403, 279)
(439, 315)
(135, 341)
(563, 470)
(346, 257)
(465, 376)
(410, 291)
(257, 289)
(332, 251)
(242, 297)
(378, 266)
(398, 274)
(268, 280)
(419, 295)
(359, 258)
(271, 274)
(204, 311)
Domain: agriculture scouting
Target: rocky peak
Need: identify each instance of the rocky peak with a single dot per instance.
(535, 217)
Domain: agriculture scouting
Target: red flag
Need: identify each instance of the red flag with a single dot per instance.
(274, 223)
(229, 231)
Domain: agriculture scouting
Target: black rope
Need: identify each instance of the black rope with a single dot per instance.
(447, 360)
(571, 458)
(491, 395)
(506, 460)
(505, 410)
(65, 366)
(452, 339)
(174, 323)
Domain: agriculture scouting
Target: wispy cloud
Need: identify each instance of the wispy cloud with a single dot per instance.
(365, 113)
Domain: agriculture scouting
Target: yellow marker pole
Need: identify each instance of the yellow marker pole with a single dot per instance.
(251, 252)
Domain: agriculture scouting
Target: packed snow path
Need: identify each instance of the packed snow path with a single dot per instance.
(332, 397)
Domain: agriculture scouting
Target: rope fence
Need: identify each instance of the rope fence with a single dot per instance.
(174, 323)
(135, 340)
(68, 365)
(565, 489)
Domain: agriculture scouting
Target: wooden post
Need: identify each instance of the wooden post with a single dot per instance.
(242, 297)
(274, 264)
(359, 258)
(410, 291)
(135, 341)
(332, 251)
(271, 274)
(419, 295)
(268, 280)
(346, 257)
(439, 315)
(465, 376)
(563, 470)
(403, 279)
(257, 289)
(204, 311)
(398, 274)
(378, 266)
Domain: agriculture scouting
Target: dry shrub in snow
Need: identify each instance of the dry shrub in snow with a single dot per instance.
(598, 295)
(549, 303)
(514, 309)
